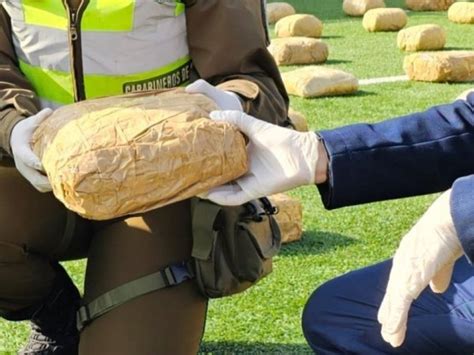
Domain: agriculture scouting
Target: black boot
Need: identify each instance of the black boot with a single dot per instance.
(54, 322)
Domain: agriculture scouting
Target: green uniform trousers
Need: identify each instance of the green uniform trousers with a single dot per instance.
(33, 227)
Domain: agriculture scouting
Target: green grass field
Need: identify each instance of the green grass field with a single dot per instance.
(266, 319)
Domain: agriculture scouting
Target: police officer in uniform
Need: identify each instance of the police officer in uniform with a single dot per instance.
(56, 52)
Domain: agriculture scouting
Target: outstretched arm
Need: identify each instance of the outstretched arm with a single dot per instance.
(17, 98)
(411, 155)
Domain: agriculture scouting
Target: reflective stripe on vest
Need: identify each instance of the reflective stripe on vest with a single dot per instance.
(127, 46)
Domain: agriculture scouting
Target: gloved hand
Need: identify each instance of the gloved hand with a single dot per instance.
(226, 100)
(426, 255)
(27, 163)
(280, 159)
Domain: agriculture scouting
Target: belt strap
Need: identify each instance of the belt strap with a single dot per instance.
(169, 276)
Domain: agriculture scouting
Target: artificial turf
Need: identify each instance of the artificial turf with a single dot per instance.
(266, 318)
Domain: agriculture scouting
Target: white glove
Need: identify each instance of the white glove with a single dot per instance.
(426, 255)
(280, 159)
(226, 100)
(27, 163)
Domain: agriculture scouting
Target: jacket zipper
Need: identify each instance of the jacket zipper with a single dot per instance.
(77, 70)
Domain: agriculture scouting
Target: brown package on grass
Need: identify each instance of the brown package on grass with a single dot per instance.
(278, 10)
(390, 19)
(298, 120)
(429, 5)
(360, 7)
(298, 50)
(289, 217)
(422, 38)
(299, 25)
(446, 66)
(462, 12)
(316, 81)
(129, 154)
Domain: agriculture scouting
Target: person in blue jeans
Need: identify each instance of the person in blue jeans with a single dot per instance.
(421, 301)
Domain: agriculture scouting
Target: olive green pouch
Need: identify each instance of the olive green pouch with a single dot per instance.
(233, 246)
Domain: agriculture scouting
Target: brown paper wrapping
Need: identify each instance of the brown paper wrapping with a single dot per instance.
(298, 120)
(289, 217)
(278, 10)
(313, 81)
(422, 38)
(429, 5)
(122, 155)
(298, 50)
(299, 26)
(390, 19)
(446, 66)
(360, 7)
(462, 12)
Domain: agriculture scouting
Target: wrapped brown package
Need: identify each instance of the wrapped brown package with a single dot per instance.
(429, 5)
(298, 50)
(278, 10)
(445, 66)
(129, 154)
(298, 120)
(360, 7)
(299, 25)
(462, 12)
(422, 38)
(389, 19)
(463, 96)
(313, 81)
(289, 217)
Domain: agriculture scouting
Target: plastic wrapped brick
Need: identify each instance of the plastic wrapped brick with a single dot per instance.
(298, 50)
(278, 10)
(313, 81)
(422, 38)
(360, 7)
(129, 154)
(445, 66)
(289, 217)
(299, 26)
(390, 19)
(462, 12)
(429, 5)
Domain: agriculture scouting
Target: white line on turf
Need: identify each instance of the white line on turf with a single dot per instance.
(387, 79)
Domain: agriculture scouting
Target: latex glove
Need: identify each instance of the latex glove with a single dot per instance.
(279, 160)
(426, 255)
(226, 100)
(27, 163)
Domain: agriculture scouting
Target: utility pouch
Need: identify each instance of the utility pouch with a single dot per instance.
(233, 246)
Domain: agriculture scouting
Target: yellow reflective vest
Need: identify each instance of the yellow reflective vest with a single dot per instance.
(106, 47)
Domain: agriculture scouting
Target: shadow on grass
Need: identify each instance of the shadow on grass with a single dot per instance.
(337, 61)
(332, 37)
(316, 242)
(253, 348)
(359, 93)
(457, 48)
(437, 14)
